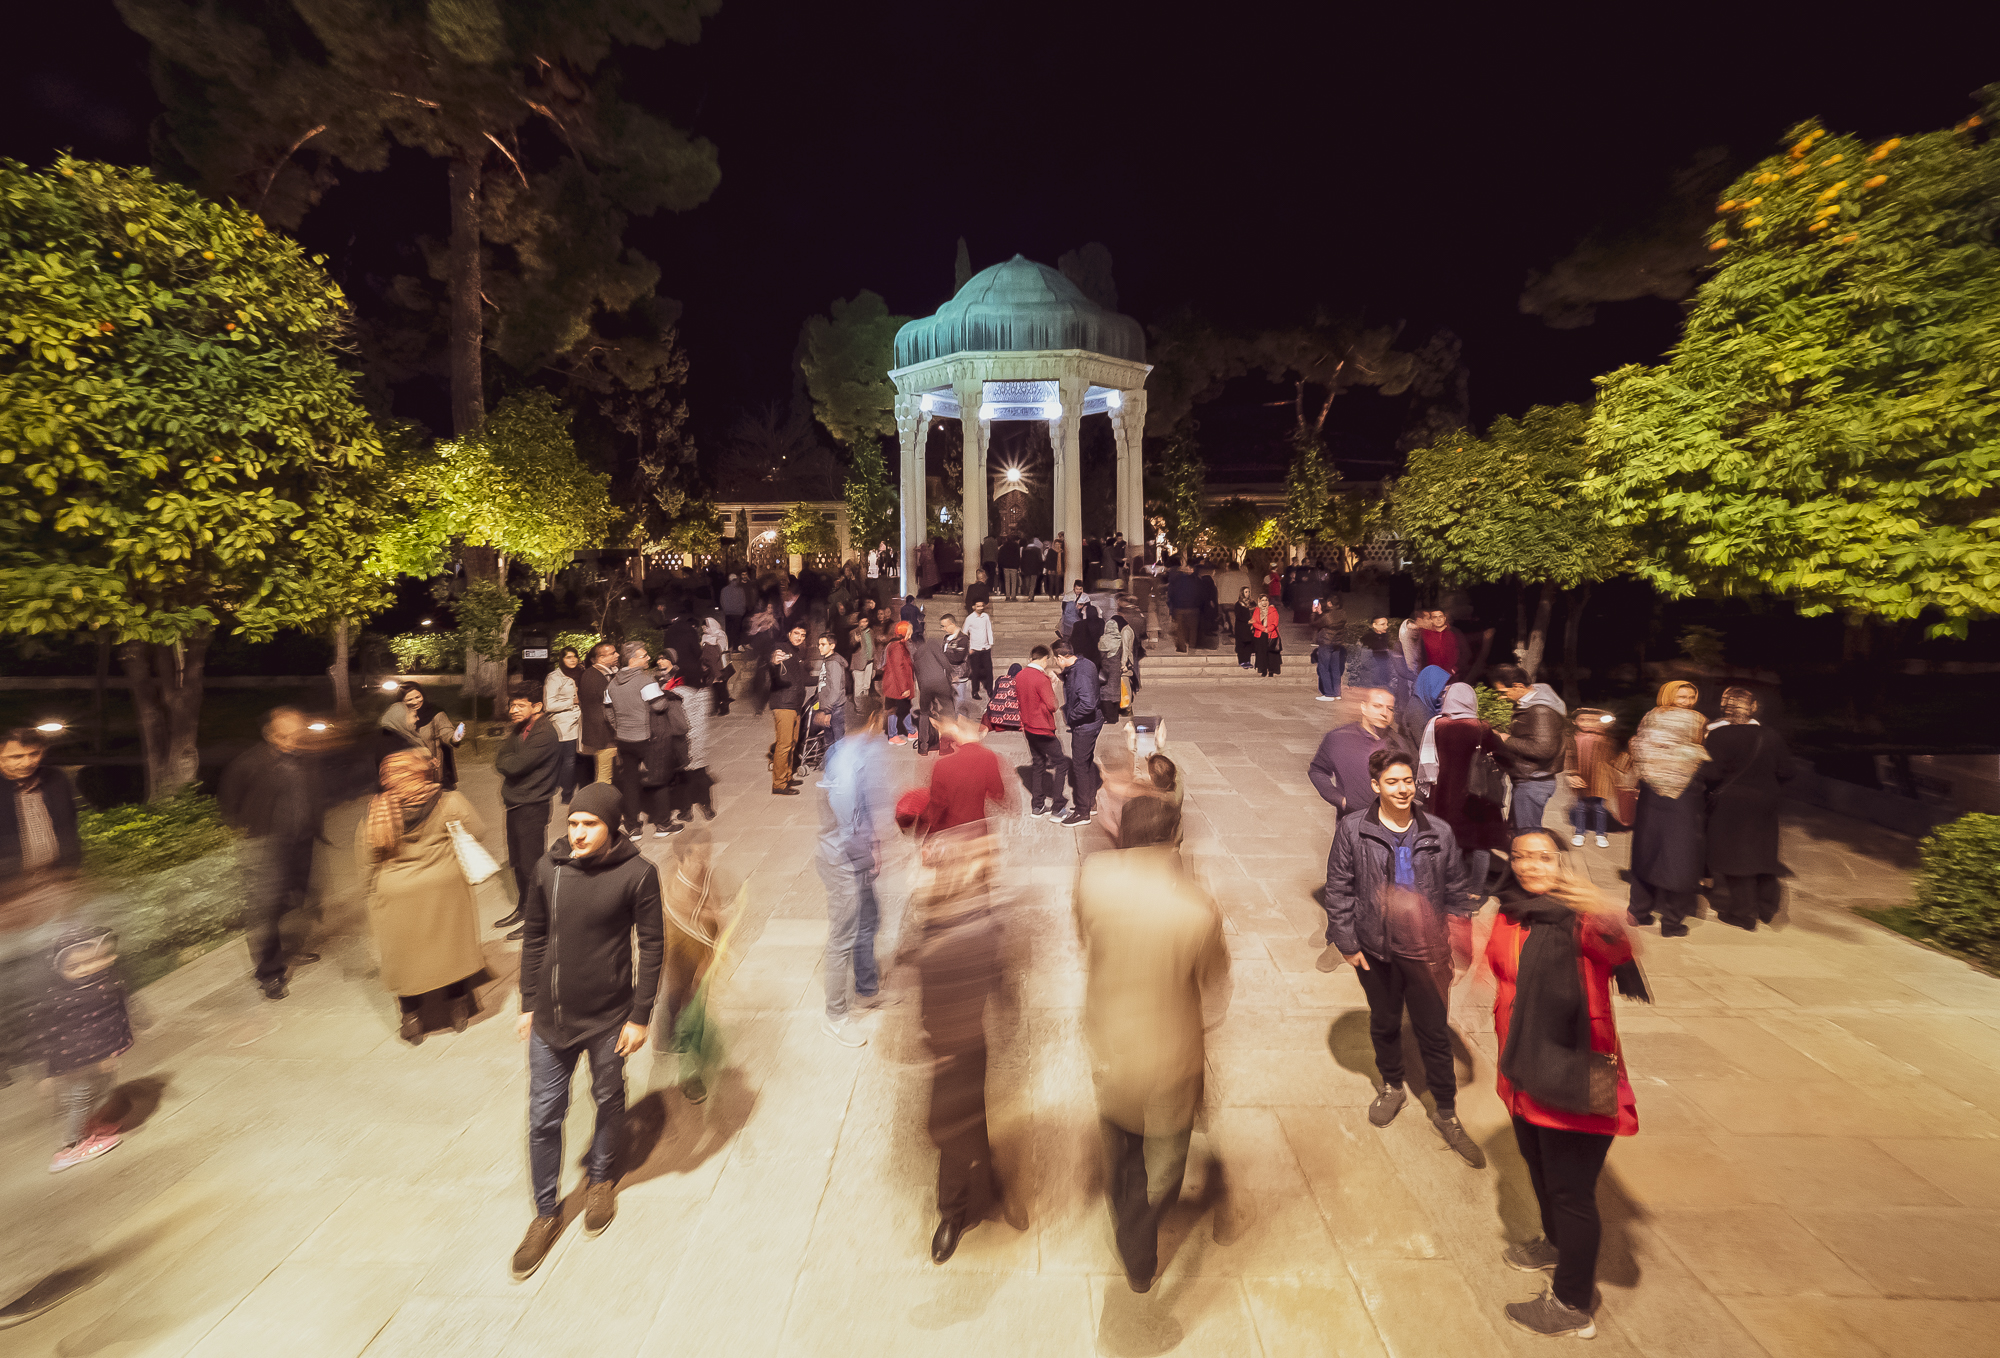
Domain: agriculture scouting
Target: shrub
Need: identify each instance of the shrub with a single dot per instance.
(428, 652)
(127, 841)
(171, 878)
(1958, 887)
(1494, 710)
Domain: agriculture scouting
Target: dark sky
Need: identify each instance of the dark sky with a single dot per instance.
(1250, 161)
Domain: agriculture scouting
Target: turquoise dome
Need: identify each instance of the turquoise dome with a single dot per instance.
(1015, 307)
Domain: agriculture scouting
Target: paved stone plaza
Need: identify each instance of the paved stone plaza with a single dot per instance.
(1817, 1171)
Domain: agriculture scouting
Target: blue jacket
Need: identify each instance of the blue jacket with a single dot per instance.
(1183, 591)
(1080, 695)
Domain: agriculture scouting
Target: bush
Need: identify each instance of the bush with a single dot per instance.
(428, 652)
(127, 841)
(1958, 887)
(171, 876)
(1494, 710)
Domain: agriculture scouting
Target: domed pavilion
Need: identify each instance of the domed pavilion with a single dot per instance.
(1021, 342)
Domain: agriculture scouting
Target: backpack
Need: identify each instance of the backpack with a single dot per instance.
(1003, 710)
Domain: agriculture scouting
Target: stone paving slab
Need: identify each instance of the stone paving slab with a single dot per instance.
(1817, 1170)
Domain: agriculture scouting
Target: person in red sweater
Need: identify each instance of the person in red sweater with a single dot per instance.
(1554, 952)
(965, 782)
(1440, 642)
(1048, 766)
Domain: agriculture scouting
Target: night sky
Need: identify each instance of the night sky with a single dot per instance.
(1250, 162)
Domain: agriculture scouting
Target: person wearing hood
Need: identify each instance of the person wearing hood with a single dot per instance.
(1667, 850)
(1747, 763)
(415, 721)
(1554, 953)
(1534, 743)
(628, 702)
(1451, 742)
(593, 895)
(561, 705)
(1421, 708)
(419, 905)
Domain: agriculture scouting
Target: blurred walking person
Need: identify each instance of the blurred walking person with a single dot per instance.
(1239, 626)
(528, 764)
(419, 905)
(81, 1026)
(859, 801)
(1748, 762)
(1667, 829)
(1591, 775)
(1339, 768)
(1452, 744)
(1157, 973)
(899, 687)
(594, 898)
(1398, 909)
(934, 689)
(271, 794)
(1554, 952)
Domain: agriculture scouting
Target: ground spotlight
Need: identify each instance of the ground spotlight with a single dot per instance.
(49, 728)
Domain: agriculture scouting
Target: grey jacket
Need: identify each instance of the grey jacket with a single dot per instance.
(1360, 870)
(631, 719)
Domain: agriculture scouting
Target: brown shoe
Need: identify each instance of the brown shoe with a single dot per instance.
(600, 1204)
(535, 1246)
(461, 1013)
(413, 1028)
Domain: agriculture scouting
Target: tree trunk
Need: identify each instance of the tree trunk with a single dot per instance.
(343, 699)
(166, 691)
(468, 395)
(1528, 650)
(1572, 621)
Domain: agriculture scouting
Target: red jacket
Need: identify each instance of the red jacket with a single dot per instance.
(1038, 701)
(961, 785)
(1602, 946)
(1264, 622)
(1441, 649)
(898, 677)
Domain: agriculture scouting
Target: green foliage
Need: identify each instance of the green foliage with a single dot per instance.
(871, 499)
(1183, 475)
(127, 841)
(1958, 888)
(1235, 522)
(428, 652)
(485, 612)
(1308, 492)
(1509, 505)
(516, 486)
(178, 442)
(846, 362)
(803, 530)
(583, 641)
(1826, 429)
(1494, 710)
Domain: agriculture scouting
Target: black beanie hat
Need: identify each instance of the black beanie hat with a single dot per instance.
(600, 800)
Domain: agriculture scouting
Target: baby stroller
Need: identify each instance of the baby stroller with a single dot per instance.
(815, 739)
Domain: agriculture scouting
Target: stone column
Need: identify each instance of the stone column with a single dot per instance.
(971, 393)
(1065, 436)
(1132, 467)
(912, 426)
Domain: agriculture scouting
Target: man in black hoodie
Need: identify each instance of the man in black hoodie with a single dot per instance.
(591, 894)
(526, 764)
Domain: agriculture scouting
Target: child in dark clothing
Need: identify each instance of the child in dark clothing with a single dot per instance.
(83, 1026)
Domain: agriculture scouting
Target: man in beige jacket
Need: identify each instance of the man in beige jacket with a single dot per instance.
(1157, 968)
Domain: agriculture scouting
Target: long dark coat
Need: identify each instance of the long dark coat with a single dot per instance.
(1667, 834)
(1746, 765)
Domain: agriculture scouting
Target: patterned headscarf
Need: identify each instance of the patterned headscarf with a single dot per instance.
(1670, 688)
(1666, 749)
(1738, 704)
(409, 790)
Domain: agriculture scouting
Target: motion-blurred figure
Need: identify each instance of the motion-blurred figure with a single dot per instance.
(271, 792)
(1398, 909)
(593, 897)
(1554, 952)
(697, 935)
(852, 824)
(967, 783)
(1156, 966)
(958, 968)
(1747, 762)
(82, 1027)
(37, 834)
(418, 902)
(1667, 828)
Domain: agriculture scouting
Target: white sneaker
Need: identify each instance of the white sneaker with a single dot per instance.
(1603, 843)
(1325, 699)
(1576, 840)
(843, 1032)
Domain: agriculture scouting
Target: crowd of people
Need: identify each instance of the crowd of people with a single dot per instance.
(1436, 813)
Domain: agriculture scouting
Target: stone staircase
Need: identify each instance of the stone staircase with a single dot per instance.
(1021, 625)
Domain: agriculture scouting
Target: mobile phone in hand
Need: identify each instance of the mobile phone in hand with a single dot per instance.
(459, 734)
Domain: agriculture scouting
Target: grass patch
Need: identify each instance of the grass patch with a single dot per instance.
(1903, 919)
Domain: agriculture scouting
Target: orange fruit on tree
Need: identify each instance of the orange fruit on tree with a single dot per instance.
(1877, 182)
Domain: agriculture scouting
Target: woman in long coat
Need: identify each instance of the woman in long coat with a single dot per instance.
(1239, 626)
(1747, 762)
(1451, 742)
(418, 902)
(1667, 855)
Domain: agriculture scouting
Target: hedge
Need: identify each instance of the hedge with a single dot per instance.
(428, 652)
(170, 878)
(1958, 886)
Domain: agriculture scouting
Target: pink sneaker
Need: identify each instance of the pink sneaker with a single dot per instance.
(87, 1149)
(899, 740)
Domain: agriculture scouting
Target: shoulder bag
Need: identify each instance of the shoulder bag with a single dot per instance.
(474, 863)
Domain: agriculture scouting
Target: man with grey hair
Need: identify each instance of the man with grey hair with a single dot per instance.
(626, 697)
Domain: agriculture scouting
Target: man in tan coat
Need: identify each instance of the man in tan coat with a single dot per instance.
(1157, 968)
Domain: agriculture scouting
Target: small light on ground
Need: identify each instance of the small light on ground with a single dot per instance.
(49, 727)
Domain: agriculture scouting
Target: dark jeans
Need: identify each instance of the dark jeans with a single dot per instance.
(527, 841)
(689, 789)
(1243, 651)
(1746, 901)
(1587, 816)
(967, 1187)
(1531, 798)
(982, 672)
(1382, 670)
(1673, 906)
(1048, 767)
(1563, 1167)
(1332, 666)
(1143, 1176)
(1187, 622)
(280, 874)
(930, 704)
(549, 1071)
(625, 777)
(1424, 988)
(566, 769)
(1083, 774)
(732, 627)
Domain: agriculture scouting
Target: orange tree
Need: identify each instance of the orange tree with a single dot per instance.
(1828, 427)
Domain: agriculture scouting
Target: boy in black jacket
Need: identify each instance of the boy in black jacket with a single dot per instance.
(591, 894)
(527, 768)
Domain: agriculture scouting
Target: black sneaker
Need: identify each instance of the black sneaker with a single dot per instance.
(1075, 818)
(1547, 1316)
(1455, 1136)
(1531, 1256)
(1387, 1104)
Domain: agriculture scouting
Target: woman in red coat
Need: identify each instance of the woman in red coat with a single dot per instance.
(899, 685)
(1264, 623)
(1554, 952)
(1451, 742)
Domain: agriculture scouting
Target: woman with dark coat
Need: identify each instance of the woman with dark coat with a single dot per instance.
(1667, 855)
(1454, 740)
(1747, 762)
(1239, 617)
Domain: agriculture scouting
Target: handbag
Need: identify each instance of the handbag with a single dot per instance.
(1603, 1084)
(474, 863)
(1484, 780)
